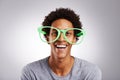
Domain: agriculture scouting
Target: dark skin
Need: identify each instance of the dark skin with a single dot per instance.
(60, 60)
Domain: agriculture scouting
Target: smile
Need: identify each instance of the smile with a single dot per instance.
(61, 46)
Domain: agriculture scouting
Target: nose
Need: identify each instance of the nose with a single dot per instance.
(61, 38)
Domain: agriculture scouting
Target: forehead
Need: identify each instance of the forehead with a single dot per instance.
(62, 24)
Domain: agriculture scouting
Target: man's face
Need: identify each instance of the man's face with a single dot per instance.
(61, 48)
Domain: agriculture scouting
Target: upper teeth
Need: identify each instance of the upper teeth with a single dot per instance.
(61, 45)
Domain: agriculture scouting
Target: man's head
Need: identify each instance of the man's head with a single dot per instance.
(63, 13)
(61, 19)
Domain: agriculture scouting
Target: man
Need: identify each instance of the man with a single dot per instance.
(61, 29)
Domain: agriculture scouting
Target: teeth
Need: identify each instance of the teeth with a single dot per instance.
(61, 46)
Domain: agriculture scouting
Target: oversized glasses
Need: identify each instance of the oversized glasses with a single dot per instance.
(51, 34)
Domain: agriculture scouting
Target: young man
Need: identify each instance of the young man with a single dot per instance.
(61, 29)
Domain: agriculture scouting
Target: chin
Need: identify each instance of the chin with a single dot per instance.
(61, 55)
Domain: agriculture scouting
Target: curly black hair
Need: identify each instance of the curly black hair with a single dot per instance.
(62, 13)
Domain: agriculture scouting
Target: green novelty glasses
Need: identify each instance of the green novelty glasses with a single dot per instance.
(51, 34)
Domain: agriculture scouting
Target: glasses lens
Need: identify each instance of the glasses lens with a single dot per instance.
(77, 33)
(53, 34)
(48, 34)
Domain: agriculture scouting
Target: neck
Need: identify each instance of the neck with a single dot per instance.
(61, 66)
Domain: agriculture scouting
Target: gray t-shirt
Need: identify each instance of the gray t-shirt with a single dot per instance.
(81, 70)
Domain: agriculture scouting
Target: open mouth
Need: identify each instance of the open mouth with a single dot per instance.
(61, 46)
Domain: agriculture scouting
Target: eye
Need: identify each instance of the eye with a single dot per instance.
(54, 33)
(68, 33)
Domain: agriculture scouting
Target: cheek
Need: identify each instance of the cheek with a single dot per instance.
(51, 45)
(73, 39)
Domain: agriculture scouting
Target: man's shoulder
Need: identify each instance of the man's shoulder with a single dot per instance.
(84, 63)
(87, 67)
(38, 64)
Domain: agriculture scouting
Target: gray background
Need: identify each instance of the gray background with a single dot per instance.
(20, 43)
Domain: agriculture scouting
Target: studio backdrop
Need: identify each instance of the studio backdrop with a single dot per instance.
(20, 43)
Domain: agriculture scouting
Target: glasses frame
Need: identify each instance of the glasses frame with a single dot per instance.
(81, 34)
